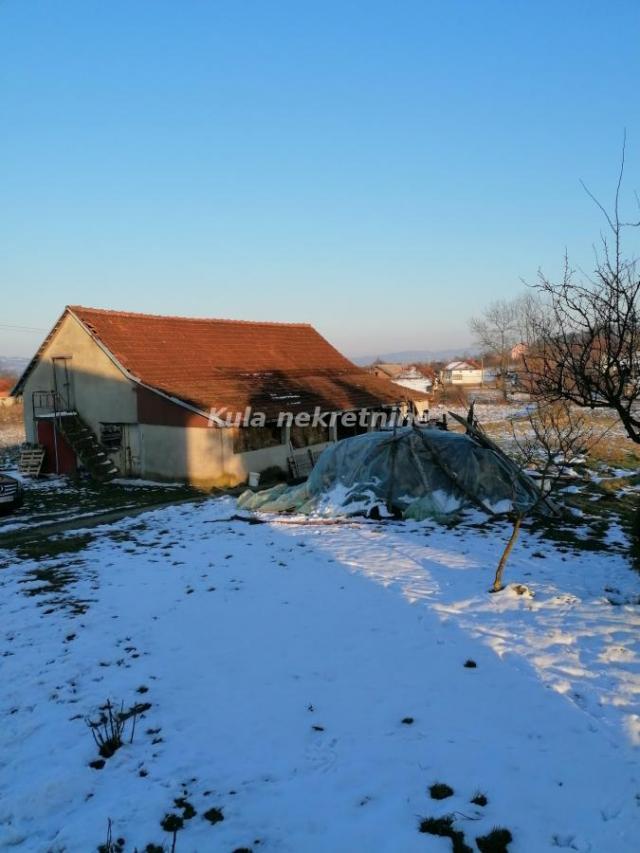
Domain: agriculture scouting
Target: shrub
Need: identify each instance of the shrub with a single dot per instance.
(111, 846)
(440, 791)
(495, 841)
(172, 823)
(443, 827)
(108, 729)
(213, 815)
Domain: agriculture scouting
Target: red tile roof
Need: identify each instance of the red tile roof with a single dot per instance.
(231, 364)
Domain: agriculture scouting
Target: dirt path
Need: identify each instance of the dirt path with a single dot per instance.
(17, 537)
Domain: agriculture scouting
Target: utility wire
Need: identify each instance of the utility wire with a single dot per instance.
(21, 328)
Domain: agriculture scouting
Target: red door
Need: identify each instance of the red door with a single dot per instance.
(60, 457)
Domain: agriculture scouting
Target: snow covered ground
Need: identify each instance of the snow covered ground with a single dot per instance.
(280, 661)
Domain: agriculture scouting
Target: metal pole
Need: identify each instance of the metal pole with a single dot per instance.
(55, 444)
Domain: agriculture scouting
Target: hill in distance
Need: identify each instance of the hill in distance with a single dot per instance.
(407, 356)
(13, 365)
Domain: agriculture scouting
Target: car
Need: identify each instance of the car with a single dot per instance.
(11, 494)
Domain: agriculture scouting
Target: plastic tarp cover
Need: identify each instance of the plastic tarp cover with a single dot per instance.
(418, 472)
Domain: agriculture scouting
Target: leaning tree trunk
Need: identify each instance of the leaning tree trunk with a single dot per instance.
(497, 582)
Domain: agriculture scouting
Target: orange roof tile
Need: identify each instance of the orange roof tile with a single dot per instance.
(231, 364)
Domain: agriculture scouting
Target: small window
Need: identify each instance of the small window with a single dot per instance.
(111, 436)
(307, 436)
(251, 438)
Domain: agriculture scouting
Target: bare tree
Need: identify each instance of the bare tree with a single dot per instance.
(550, 437)
(495, 331)
(542, 502)
(584, 332)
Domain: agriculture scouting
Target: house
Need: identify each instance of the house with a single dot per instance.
(408, 376)
(386, 370)
(467, 372)
(420, 386)
(414, 378)
(201, 401)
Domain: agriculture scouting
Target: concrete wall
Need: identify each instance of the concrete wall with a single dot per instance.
(101, 391)
(204, 457)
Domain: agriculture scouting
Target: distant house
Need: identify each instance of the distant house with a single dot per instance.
(413, 377)
(408, 376)
(467, 372)
(167, 397)
(5, 387)
(386, 369)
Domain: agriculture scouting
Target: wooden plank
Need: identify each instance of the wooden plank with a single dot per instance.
(31, 460)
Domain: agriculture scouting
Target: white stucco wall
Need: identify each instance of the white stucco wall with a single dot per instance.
(463, 377)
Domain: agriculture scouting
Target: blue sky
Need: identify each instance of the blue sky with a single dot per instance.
(380, 169)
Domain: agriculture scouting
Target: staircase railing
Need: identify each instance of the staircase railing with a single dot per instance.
(85, 443)
(50, 404)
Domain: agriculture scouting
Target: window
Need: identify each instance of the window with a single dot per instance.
(250, 438)
(306, 436)
(111, 436)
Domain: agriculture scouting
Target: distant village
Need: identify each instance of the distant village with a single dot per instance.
(431, 377)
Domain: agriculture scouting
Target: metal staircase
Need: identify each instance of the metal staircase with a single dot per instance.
(86, 445)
